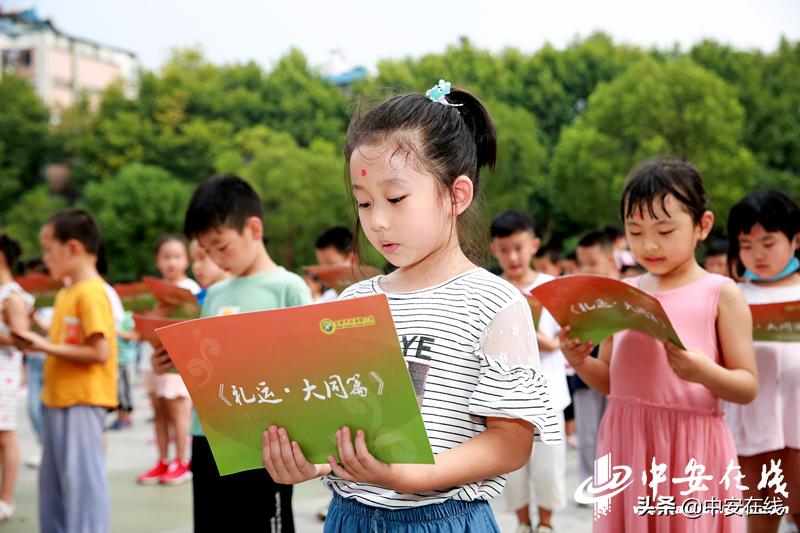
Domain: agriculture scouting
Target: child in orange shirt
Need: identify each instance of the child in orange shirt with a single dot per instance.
(80, 379)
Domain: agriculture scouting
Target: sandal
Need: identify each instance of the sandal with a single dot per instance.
(6, 510)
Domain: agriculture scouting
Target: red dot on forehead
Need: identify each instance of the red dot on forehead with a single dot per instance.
(363, 171)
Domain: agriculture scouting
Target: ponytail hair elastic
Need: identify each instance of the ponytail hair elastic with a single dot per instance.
(438, 92)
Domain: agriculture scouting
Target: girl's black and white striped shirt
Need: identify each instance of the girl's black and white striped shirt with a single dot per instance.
(476, 332)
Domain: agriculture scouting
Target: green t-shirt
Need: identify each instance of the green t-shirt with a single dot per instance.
(276, 289)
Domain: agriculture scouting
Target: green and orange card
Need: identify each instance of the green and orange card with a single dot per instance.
(311, 369)
(596, 307)
(778, 322)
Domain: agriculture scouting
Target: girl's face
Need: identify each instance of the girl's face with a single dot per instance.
(766, 253)
(56, 255)
(172, 260)
(665, 242)
(205, 271)
(405, 215)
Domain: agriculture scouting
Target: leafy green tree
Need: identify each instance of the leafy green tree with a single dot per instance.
(519, 181)
(298, 101)
(23, 138)
(677, 109)
(133, 209)
(24, 219)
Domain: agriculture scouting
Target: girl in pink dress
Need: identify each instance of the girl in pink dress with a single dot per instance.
(663, 418)
(764, 232)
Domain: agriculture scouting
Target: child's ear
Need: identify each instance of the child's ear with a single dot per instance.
(256, 227)
(462, 193)
(74, 246)
(706, 224)
(536, 244)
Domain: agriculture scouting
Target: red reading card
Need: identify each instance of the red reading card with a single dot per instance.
(38, 284)
(596, 307)
(779, 322)
(146, 326)
(341, 277)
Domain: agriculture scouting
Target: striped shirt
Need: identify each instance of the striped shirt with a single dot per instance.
(450, 326)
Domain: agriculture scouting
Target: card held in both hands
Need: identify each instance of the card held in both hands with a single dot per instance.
(310, 369)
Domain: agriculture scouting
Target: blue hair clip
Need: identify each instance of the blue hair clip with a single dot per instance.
(438, 92)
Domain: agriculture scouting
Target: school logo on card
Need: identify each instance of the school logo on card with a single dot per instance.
(72, 330)
(329, 326)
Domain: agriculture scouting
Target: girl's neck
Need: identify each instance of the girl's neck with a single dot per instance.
(439, 266)
(176, 279)
(5, 276)
(788, 281)
(683, 274)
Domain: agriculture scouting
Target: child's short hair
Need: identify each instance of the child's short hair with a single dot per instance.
(658, 178)
(597, 238)
(11, 251)
(614, 232)
(221, 201)
(717, 247)
(35, 265)
(510, 222)
(169, 237)
(338, 237)
(446, 140)
(79, 225)
(773, 210)
(548, 252)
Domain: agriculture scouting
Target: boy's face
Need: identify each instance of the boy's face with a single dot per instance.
(57, 255)
(597, 261)
(231, 250)
(717, 264)
(330, 256)
(206, 271)
(545, 265)
(514, 252)
(568, 266)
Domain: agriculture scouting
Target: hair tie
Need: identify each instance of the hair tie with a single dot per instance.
(438, 92)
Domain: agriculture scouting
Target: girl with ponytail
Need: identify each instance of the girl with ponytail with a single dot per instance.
(414, 170)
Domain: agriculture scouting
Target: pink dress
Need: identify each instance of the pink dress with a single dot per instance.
(652, 413)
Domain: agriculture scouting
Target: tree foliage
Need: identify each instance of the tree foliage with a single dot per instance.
(571, 123)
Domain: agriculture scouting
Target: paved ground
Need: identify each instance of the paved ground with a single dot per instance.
(137, 509)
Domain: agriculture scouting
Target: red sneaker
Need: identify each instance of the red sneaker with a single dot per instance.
(177, 473)
(153, 476)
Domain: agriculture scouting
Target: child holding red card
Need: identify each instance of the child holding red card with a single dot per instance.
(467, 336)
(168, 394)
(663, 401)
(764, 232)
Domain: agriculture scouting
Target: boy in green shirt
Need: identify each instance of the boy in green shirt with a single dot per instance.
(225, 216)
